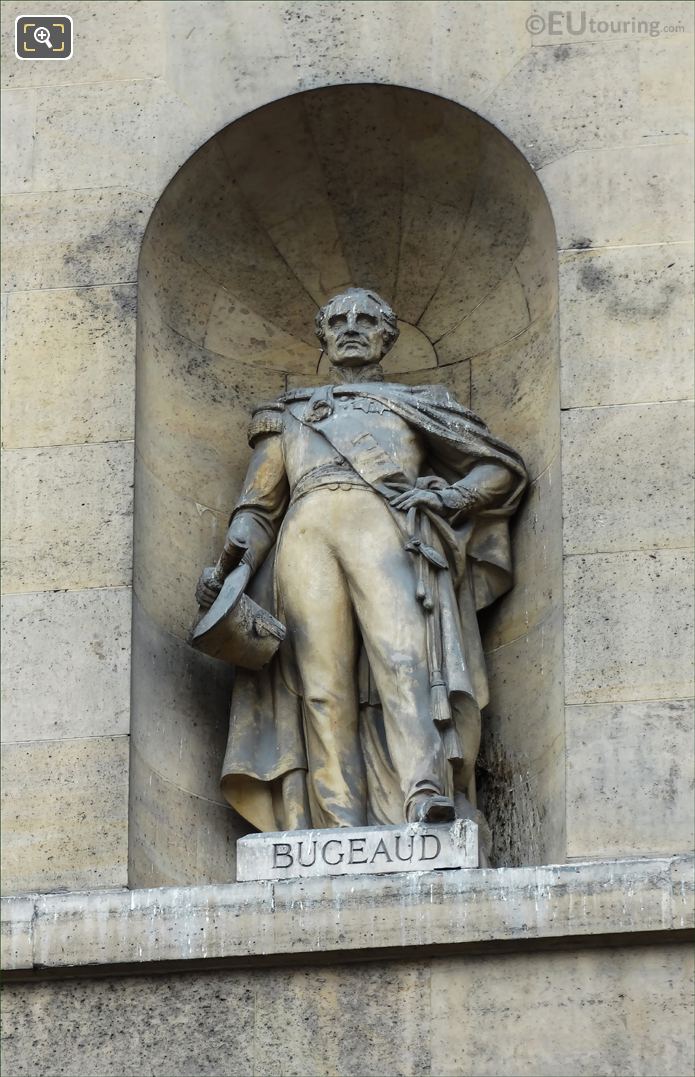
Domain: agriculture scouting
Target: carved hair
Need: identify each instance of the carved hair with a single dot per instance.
(387, 315)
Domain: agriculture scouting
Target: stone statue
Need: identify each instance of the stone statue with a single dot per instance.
(373, 524)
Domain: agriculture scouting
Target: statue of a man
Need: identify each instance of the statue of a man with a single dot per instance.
(373, 523)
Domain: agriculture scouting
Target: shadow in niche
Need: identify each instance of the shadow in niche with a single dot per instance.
(419, 198)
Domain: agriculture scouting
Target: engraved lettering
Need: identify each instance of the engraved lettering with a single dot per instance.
(307, 863)
(381, 850)
(281, 848)
(405, 859)
(332, 863)
(357, 846)
(438, 844)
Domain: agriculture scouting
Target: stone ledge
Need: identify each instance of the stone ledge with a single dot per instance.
(358, 917)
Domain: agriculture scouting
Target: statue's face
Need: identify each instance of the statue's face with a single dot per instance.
(355, 332)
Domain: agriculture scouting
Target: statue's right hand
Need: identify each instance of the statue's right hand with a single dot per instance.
(209, 586)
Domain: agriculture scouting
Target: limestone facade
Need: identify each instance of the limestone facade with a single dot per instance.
(589, 754)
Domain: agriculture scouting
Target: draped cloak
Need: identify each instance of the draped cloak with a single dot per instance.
(265, 766)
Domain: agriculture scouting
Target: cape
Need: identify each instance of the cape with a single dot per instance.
(265, 766)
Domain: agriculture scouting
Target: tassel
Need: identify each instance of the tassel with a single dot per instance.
(441, 716)
(452, 744)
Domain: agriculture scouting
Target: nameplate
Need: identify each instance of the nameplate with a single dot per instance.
(369, 850)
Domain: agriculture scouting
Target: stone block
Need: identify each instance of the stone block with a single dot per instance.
(217, 58)
(193, 414)
(286, 189)
(497, 230)
(515, 389)
(103, 134)
(66, 664)
(502, 315)
(170, 1024)
(627, 477)
(70, 366)
(630, 778)
(543, 99)
(666, 80)
(59, 239)
(65, 814)
(371, 850)
(205, 218)
(626, 325)
(521, 772)
(651, 184)
(18, 134)
(628, 626)
(380, 1009)
(239, 333)
(598, 1011)
(366, 915)
(181, 703)
(112, 41)
(67, 517)
(16, 933)
(175, 538)
(176, 837)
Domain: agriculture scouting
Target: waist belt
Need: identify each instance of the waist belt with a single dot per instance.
(327, 475)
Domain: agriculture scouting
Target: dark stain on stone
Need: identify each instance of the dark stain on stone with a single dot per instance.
(581, 244)
(506, 797)
(594, 278)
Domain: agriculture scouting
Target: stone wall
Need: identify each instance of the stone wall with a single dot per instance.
(595, 1011)
(604, 121)
(604, 118)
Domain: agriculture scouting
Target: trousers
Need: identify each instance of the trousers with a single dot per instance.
(344, 579)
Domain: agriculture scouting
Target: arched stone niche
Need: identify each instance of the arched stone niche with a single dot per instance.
(423, 200)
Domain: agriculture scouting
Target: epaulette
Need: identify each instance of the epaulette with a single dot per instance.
(267, 419)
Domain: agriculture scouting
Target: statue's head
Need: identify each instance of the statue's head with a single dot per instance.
(356, 328)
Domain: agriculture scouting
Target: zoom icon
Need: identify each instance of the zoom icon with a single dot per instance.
(43, 37)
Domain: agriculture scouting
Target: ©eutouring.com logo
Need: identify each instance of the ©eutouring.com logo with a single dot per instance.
(43, 37)
(575, 23)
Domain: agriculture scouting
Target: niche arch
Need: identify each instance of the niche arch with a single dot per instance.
(420, 198)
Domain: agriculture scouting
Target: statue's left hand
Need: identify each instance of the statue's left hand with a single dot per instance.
(418, 498)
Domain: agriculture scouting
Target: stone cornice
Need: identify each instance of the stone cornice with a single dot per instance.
(348, 918)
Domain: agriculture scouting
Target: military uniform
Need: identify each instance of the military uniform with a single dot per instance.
(347, 581)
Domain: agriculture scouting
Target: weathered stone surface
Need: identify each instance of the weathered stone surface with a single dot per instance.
(630, 778)
(66, 664)
(65, 814)
(598, 1011)
(166, 572)
(649, 183)
(18, 133)
(546, 122)
(85, 337)
(59, 239)
(628, 626)
(145, 126)
(522, 772)
(297, 854)
(523, 409)
(67, 516)
(361, 914)
(175, 836)
(625, 324)
(627, 477)
(203, 42)
(181, 718)
(612, 1008)
(131, 28)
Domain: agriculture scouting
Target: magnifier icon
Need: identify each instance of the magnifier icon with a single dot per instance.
(42, 35)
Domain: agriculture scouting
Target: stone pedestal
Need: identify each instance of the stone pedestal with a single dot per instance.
(369, 850)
